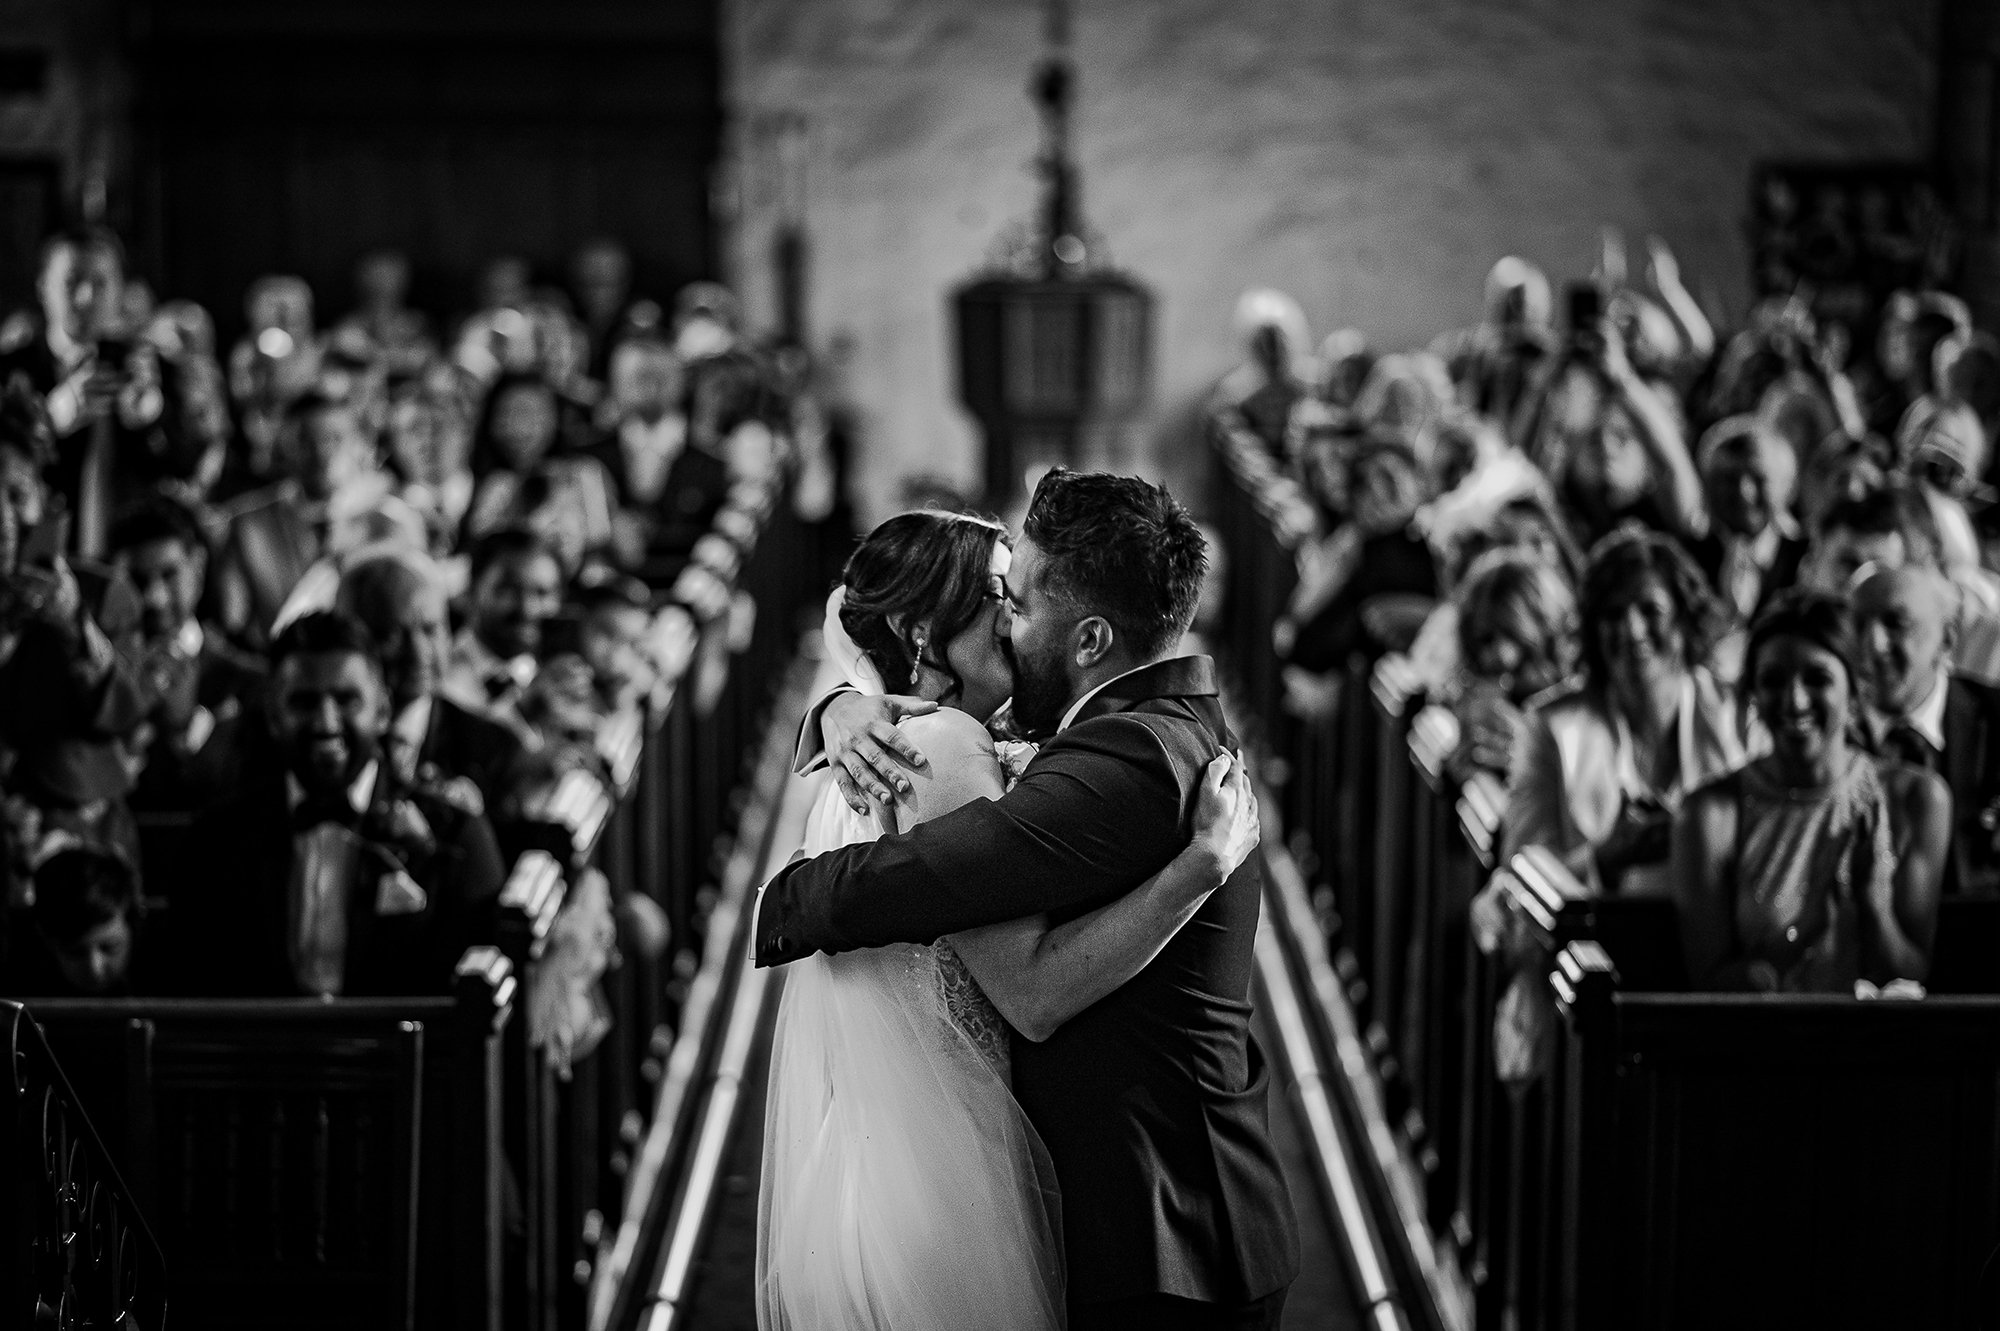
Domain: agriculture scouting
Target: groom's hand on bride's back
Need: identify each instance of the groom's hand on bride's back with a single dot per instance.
(871, 759)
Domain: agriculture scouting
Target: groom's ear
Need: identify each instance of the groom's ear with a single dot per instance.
(1093, 640)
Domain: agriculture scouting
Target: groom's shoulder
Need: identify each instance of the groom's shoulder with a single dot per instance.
(1130, 737)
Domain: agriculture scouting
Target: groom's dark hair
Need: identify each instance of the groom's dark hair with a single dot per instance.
(1119, 547)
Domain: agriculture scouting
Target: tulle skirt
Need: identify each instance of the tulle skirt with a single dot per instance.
(903, 1187)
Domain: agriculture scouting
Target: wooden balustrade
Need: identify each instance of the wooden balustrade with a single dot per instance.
(79, 1250)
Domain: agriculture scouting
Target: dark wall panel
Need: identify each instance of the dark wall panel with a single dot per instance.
(281, 141)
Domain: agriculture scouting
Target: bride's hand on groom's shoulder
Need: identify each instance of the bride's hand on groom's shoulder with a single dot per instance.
(870, 758)
(1226, 822)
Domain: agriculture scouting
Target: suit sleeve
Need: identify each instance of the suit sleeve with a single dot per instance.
(1099, 812)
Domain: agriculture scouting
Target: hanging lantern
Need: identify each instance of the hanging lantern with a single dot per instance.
(1054, 346)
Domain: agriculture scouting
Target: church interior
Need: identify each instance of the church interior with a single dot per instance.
(430, 433)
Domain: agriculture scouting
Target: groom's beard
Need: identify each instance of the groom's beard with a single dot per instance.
(1041, 693)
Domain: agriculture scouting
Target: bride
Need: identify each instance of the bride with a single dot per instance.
(903, 1188)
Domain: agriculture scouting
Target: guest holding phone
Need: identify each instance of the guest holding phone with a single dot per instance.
(66, 696)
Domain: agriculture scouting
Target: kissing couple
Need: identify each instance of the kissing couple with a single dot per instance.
(1013, 1084)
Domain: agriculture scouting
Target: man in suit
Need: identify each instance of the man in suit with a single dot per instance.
(323, 874)
(193, 678)
(1152, 1103)
(432, 741)
(1925, 714)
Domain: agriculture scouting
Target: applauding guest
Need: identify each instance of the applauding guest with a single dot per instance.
(1811, 867)
(328, 876)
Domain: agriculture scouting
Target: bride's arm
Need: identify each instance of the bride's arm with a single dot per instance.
(1039, 977)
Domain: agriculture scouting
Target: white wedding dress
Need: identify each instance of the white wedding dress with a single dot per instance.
(903, 1188)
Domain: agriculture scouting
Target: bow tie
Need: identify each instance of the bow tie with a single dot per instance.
(1905, 743)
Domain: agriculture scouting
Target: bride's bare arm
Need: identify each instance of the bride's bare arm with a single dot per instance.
(1039, 977)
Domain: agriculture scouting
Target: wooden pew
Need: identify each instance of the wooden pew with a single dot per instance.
(1759, 1161)
(323, 1164)
(79, 1251)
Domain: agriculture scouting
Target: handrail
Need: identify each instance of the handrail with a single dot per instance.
(77, 1246)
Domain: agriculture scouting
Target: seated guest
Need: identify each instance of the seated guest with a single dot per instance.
(522, 484)
(1811, 867)
(398, 596)
(398, 336)
(1922, 713)
(1603, 766)
(1517, 639)
(194, 679)
(335, 500)
(84, 929)
(429, 439)
(327, 876)
(1889, 528)
(67, 697)
(516, 590)
(276, 364)
(615, 619)
(663, 488)
(1610, 443)
(1752, 548)
(1378, 554)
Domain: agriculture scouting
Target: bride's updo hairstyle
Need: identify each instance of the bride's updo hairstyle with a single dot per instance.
(929, 570)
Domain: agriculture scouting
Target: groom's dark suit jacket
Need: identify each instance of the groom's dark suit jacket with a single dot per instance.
(1153, 1102)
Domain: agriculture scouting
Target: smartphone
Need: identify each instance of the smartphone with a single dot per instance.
(1585, 306)
(113, 351)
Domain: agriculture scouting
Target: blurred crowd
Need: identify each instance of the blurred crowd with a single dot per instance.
(1718, 605)
(298, 636)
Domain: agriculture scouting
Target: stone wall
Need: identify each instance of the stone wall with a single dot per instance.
(1371, 158)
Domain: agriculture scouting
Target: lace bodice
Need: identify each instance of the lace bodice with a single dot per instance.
(971, 1010)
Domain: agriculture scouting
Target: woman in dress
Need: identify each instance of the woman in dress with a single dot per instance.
(1599, 770)
(903, 1187)
(1813, 866)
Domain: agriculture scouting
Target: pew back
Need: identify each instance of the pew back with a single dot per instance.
(334, 1164)
(1767, 1160)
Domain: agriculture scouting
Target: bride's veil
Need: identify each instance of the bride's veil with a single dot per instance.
(902, 1185)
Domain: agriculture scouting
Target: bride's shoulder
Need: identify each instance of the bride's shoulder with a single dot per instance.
(948, 733)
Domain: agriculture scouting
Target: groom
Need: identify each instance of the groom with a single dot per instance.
(1153, 1102)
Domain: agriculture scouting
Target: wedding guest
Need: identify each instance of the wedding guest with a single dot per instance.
(194, 678)
(67, 697)
(1752, 548)
(1517, 636)
(521, 483)
(1259, 394)
(85, 930)
(323, 874)
(516, 590)
(398, 596)
(1496, 363)
(334, 499)
(1924, 713)
(397, 336)
(600, 277)
(1376, 555)
(93, 368)
(1610, 443)
(1811, 867)
(1604, 765)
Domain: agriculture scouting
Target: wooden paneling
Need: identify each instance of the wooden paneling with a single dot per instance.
(293, 138)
